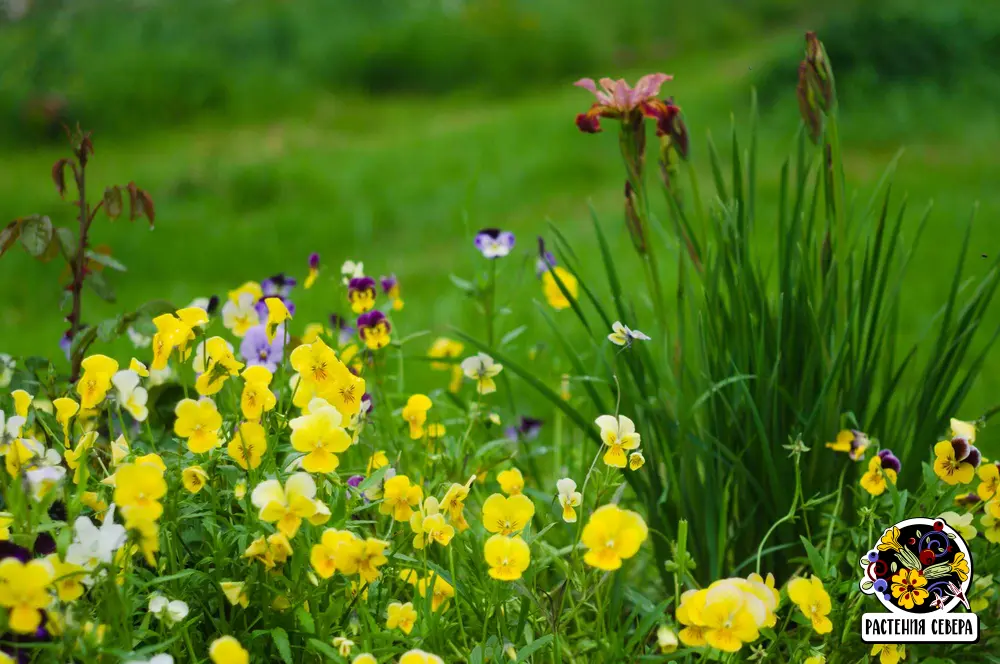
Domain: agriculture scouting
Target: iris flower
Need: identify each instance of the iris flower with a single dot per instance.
(619, 101)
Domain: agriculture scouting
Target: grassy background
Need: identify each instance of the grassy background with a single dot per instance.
(392, 141)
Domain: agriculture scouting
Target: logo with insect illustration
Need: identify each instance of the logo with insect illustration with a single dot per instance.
(920, 570)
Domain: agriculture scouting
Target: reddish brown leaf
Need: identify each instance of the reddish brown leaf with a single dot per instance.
(147, 206)
(59, 176)
(9, 235)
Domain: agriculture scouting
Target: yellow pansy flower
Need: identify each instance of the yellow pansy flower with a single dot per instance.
(277, 313)
(286, 506)
(95, 382)
(553, 294)
(417, 656)
(399, 497)
(507, 515)
(812, 599)
(66, 409)
(482, 369)
(24, 590)
(949, 467)
(227, 650)
(321, 436)
(138, 490)
(403, 616)
(220, 366)
(198, 422)
(507, 557)
(248, 445)
(194, 478)
(511, 481)
(619, 435)
(235, 592)
(612, 535)
(889, 653)
(257, 397)
(415, 414)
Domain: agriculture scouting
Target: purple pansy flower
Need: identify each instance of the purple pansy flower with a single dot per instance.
(527, 428)
(66, 343)
(374, 329)
(890, 460)
(313, 271)
(494, 243)
(361, 292)
(258, 351)
(545, 259)
(280, 285)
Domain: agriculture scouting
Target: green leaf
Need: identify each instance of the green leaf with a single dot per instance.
(527, 651)
(100, 285)
(462, 284)
(476, 656)
(513, 334)
(815, 559)
(317, 646)
(305, 620)
(106, 261)
(82, 340)
(67, 242)
(36, 235)
(280, 637)
(110, 329)
(373, 479)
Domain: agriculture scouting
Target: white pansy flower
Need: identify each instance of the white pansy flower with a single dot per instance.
(131, 395)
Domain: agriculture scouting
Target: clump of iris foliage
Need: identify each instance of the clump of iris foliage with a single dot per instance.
(261, 484)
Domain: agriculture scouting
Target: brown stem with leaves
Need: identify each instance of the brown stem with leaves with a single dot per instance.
(79, 263)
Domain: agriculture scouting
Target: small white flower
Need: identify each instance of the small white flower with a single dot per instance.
(351, 270)
(131, 395)
(10, 430)
(92, 546)
(482, 369)
(156, 659)
(173, 611)
(569, 498)
(138, 339)
(160, 376)
(622, 335)
(6, 369)
(241, 315)
(47, 474)
(200, 303)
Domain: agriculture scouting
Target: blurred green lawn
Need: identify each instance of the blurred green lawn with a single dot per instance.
(403, 184)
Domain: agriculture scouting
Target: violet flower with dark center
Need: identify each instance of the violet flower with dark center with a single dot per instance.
(280, 285)
(345, 332)
(889, 460)
(66, 343)
(545, 259)
(256, 350)
(494, 243)
(527, 428)
(10, 550)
